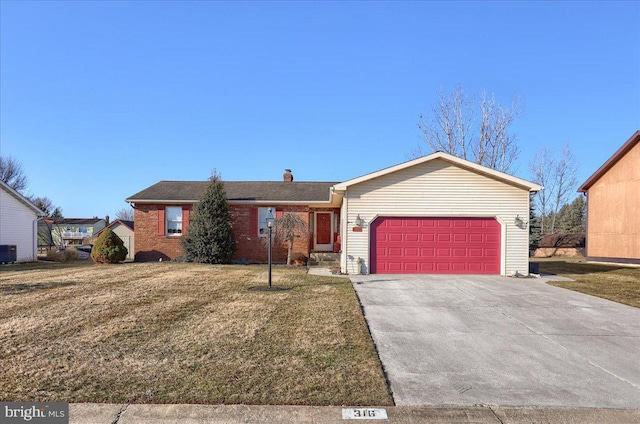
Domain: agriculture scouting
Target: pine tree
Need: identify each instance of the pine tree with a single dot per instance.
(535, 230)
(572, 216)
(209, 238)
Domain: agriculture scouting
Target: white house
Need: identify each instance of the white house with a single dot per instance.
(435, 214)
(19, 223)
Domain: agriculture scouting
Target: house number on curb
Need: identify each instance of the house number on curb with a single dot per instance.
(364, 414)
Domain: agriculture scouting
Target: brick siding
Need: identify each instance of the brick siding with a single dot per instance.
(250, 247)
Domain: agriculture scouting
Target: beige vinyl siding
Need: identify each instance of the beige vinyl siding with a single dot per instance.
(438, 189)
(126, 235)
(18, 226)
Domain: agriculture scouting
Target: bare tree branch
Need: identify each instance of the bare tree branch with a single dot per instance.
(558, 176)
(287, 228)
(125, 214)
(479, 134)
(12, 174)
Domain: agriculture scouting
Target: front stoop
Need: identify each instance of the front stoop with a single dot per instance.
(324, 258)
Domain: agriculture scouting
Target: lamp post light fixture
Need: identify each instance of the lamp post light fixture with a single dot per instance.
(270, 222)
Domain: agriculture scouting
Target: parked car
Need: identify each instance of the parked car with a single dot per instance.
(84, 248)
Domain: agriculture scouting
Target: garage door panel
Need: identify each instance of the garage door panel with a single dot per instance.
(435, 245)
(430, 238)
(429, 252)
(411, 252)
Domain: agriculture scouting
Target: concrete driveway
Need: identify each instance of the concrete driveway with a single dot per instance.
(487, 340)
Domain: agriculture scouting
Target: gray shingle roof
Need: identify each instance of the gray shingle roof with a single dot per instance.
(276, 191)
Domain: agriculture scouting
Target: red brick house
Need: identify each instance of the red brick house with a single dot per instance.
(437, 214)
(161, 214)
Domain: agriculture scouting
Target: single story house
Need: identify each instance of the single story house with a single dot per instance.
(560, 244)
(125, 230)
(434, 214)
(613, 205)
(18, 224)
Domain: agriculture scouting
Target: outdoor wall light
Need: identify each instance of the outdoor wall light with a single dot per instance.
(519, 222)
(359, 221)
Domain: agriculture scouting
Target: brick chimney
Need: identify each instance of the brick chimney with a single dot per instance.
(287, 176)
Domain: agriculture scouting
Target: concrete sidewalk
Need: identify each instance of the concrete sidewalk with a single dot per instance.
(91, 413)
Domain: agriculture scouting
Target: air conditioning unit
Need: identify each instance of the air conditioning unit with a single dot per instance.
(8, 253)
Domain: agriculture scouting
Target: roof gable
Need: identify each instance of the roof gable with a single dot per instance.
(21, 199)
(123, 222)
(619, 154)
(462, 163)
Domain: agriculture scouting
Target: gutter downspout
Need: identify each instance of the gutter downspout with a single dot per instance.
(345, 243)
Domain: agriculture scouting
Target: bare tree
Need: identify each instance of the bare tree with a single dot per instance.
(558, 176)
(46, 205)
(287, 228)
(12, 174)
(125, 214)
(477, 132)
(565, 181)
(541, 167)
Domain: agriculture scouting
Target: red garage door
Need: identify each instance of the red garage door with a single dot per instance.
(435, 246)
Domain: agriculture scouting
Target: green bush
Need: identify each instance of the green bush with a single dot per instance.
(108, 248)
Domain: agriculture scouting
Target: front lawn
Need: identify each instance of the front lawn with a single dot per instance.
(618, 283)
(183, 333)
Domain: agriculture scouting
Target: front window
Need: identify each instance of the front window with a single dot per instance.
(174, 220)
(263, 213)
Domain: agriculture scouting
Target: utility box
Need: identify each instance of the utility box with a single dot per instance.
(8, 253)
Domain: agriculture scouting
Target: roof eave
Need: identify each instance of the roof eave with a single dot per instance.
(628, 145)
(232, 201)
(19, 197)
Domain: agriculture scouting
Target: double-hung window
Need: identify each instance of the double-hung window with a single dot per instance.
(174, 220)
(263, 213)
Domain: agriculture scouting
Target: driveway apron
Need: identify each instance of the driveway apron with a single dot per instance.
(490, 340)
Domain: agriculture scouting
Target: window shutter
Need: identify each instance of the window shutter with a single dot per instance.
(161, 230)
(185, 219)
(253, 222)
(279, 213)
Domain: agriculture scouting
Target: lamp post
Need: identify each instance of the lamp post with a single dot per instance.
(270, 222)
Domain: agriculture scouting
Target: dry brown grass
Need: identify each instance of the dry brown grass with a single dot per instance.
(183, 333)
(618, 283)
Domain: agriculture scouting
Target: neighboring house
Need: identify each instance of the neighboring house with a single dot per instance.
(125, 230)
(559, 244)
(18, 223)
(613, 207)
(434, 214)
(66, 232)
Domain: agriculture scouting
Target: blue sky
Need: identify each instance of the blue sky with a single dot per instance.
(99, 100)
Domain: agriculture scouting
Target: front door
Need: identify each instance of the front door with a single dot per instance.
(323, 231)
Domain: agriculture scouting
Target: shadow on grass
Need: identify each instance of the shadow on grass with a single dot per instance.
(554, 267)
(30, 288)
(269, 289)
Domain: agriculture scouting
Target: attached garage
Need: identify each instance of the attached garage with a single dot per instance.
(435, 245)
(437, 214)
